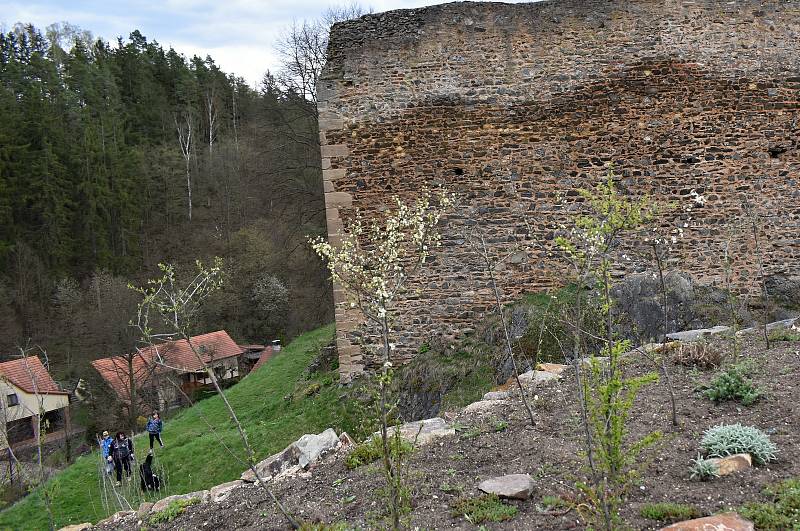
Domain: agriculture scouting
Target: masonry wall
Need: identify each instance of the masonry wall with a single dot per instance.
(516, 106)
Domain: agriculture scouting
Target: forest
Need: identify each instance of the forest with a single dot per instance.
(115, 157)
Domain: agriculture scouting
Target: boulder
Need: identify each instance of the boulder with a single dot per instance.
(220, 492)
(536, 377)
(517, 486)
(555, 368)
(733, 463)
(300, 454)
(784, 289)
(719, 522)
(345, 441)
(274, 465)
(424, 431)
(143, 510)
(162, 504)
(483, 406)
(77, 527)
(496, 395)
(312, 447)
(697, 335)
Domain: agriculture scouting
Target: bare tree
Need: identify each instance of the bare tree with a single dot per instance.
(303, 49)
(184, 127)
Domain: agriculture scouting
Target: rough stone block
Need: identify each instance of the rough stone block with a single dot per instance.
(334, 151)
(332, 175)
(338, 199)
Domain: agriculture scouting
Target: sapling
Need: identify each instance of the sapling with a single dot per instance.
(178, 306)
(373, 265)
(478, 244)
(607, 396)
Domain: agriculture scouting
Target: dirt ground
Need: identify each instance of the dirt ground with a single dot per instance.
(502, 442)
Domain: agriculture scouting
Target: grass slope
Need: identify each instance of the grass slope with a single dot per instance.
(194, 459)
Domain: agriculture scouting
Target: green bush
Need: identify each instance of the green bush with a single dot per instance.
(732, 384)
(668, 512)
(783, 512)
(731, 439)
(172, 511)
(372, 449)
(486, 508)
(703, 469)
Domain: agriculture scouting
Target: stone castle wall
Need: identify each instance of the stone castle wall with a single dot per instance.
(516, 106)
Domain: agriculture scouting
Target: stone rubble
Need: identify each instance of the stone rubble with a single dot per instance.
(423, 432)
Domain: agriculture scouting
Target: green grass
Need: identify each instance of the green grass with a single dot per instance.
(172, 511)
(372, 449)
(668, 512)
(783, 512)
(270, 404)
(486, 508)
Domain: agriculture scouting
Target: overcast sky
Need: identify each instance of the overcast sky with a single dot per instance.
(238, 34)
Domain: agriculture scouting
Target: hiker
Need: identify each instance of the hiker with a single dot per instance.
(149, 481)
(105, 447)
(122, 453)
(154, 426)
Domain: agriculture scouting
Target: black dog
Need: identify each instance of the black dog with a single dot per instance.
(150, 481)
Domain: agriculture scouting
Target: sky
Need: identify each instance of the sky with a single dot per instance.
(239, 34)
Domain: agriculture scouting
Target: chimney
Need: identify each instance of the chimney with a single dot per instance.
(276, 345)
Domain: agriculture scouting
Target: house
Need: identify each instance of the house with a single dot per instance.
(166, 375)
(30, 399)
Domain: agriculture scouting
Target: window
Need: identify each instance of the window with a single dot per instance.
(12, 399)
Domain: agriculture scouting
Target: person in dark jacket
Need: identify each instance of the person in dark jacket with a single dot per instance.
(154, 426)
(149, 481)
(122, 454)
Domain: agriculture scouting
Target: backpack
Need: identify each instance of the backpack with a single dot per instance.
(122, 450)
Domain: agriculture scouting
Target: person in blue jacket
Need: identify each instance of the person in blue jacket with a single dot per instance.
(105, 448)
(154, 427)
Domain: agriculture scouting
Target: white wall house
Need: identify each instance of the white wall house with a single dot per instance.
(29, 400)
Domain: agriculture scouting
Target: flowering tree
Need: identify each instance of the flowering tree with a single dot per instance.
(373, 264)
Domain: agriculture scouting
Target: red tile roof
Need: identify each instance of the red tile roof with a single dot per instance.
(265, 356)
(172, 355)
(30, 375)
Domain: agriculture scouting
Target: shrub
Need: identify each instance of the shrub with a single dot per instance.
(732, 384)
(703, 469)
(695, 354)
(372, 449)
(172, 511)
(731, 439)
(486, 508)
(783, 512)
(668, 512)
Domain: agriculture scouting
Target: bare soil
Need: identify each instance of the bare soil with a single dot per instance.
(502, 442)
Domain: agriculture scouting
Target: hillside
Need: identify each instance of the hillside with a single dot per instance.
(493, 438)
(271, 405)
